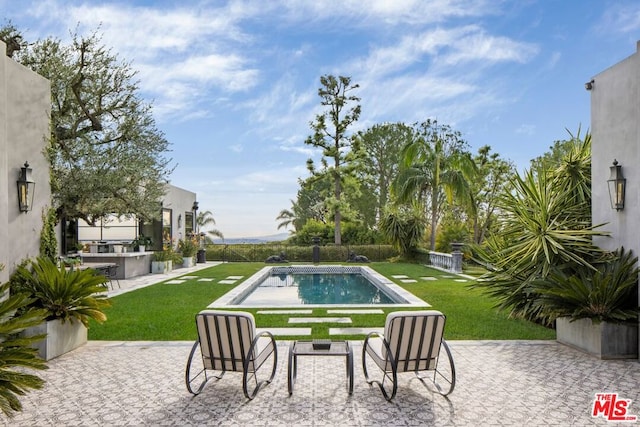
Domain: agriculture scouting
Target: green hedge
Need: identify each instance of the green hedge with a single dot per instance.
(329, 253)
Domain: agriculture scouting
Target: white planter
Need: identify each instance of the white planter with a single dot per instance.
(604, 340)
(61, 337)
(161, 267)
(93, 248)
(158, 267)
(117, 249)
(187, 261)
(142, 248)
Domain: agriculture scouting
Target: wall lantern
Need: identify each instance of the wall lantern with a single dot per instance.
(589, 85)
(617, 184)
(194, 208)
(26, 188)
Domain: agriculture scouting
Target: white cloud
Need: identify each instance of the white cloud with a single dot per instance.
(621, 19)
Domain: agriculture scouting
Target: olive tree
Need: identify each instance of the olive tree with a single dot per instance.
(106, 153)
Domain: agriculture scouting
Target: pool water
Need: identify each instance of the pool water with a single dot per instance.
(316, 288)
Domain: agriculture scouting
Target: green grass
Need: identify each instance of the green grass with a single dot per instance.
(165, 312)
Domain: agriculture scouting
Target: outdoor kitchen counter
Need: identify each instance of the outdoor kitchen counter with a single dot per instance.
(130, 264)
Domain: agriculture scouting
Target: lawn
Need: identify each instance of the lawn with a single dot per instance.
(165, 312)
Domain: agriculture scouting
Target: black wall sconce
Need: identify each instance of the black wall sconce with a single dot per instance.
(617, 184)
(589, 85)
(194, 208)
(26, 188)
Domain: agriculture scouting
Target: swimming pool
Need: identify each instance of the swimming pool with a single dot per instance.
(318, 286)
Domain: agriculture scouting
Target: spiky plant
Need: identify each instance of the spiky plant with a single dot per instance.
(65, 294)
(16, 353)
(608, 294)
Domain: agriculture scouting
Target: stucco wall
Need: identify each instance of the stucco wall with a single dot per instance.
(25, 105)
(179, 201)
(615, 128)
(615, 109)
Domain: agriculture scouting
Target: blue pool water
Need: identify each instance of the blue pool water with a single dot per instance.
(316, 288)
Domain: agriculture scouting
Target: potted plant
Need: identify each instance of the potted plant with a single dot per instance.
(69, 298)
(162, 260)
(188, 247)
(595, 308)
(141, 243)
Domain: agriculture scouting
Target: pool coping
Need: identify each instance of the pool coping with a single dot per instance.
(386, 285)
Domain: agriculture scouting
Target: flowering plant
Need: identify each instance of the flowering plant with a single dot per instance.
(188, 246)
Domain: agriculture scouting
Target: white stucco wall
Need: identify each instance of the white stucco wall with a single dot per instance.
(179, 201)
(615, 128)
(25, 105)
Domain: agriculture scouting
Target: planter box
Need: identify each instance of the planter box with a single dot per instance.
(61, 337)
(187, 261)
(161, 267)
(604, 340)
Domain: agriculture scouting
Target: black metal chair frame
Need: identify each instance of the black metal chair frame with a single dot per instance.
(197, 378)
(443, 380)
(112, 272)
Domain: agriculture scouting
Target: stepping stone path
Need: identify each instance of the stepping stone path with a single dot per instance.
(371, 311)
(285, 311)
(230, 280)
(318, 320)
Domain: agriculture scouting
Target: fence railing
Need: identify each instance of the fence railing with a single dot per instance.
(451, 262)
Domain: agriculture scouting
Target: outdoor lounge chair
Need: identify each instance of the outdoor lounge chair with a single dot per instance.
(228, 342)
(412, 342)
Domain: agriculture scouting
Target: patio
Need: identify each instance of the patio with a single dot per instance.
(532, 383)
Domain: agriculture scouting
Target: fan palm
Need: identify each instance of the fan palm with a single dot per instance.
(64, 294)
(16, 354)
(609, 294)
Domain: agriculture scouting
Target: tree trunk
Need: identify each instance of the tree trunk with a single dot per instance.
(338, 216)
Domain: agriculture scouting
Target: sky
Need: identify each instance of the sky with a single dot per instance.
(234, 84)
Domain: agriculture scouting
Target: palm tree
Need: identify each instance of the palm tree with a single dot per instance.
(288, 218)
(204, 219)
(436, 164)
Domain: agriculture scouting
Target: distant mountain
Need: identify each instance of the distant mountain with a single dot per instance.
(255, 240)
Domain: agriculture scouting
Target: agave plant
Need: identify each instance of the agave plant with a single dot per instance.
(16, 354)
(608, 294)
(65, 294)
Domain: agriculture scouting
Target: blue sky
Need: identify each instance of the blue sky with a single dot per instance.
(234, 83)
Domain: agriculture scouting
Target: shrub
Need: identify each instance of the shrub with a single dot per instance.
(65, 294)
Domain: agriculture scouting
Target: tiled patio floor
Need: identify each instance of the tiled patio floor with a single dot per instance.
(499, 383)
(524, 383)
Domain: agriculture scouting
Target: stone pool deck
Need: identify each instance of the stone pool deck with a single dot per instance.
(499, 383)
